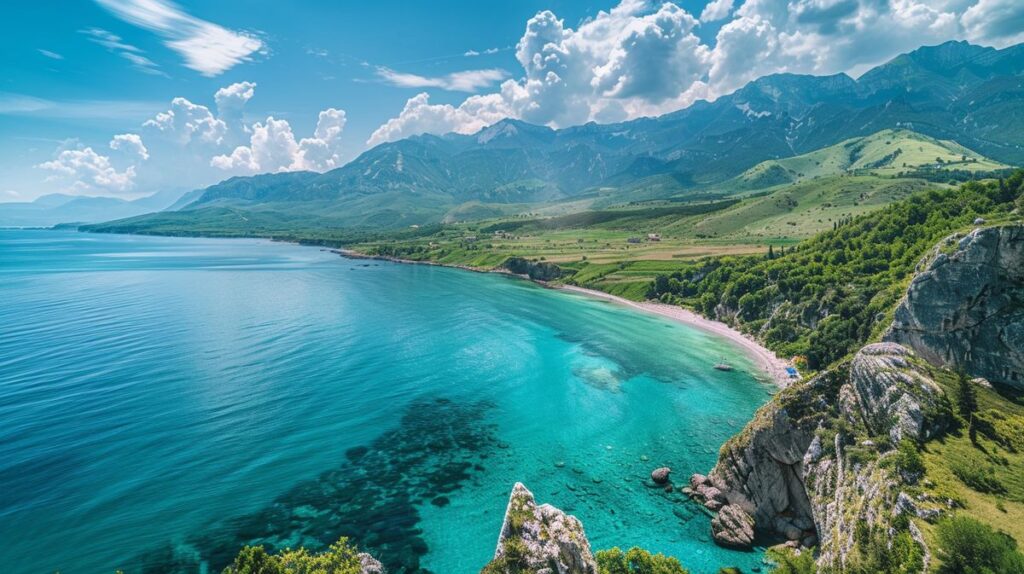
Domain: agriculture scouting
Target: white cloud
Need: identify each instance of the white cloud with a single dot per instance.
(623, 62)
(49, 54)
(207, 48)
(115, 45)
(272, 147)
(131, 143)
(321, 152)
(231, 101)
(464, 81)
(716, 10)
(996, 22)
(471, 53)
(420, 116)
(88, 170)
(187, 122)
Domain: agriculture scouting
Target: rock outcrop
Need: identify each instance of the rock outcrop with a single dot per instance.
(733, 527)
(370, 565)
(540, 540)
(790, 473)
(965, 309)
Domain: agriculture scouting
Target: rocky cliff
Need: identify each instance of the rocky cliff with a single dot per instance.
(810, 467)
(965, 309)
(540, 540)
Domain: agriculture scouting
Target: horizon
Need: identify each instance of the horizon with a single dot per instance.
(125, 98)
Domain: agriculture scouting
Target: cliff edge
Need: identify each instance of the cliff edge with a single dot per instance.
(965, 310)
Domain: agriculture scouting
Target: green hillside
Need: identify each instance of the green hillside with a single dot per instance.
(887, 153)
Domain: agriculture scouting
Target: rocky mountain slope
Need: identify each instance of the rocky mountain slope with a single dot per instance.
(821, 461)
(966, 309)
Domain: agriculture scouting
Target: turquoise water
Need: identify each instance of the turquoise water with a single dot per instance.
(165, 400)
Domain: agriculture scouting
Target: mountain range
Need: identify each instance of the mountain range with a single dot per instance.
(57, 208)
(956, 91)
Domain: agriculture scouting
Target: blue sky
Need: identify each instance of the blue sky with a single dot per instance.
(273, 86)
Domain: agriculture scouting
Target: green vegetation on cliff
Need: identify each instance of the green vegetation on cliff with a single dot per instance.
(827, 296)
(340, 558)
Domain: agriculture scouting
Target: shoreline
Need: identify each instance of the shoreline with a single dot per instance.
(767, 361)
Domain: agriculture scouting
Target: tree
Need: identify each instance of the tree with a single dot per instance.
(771, 254)
(967, 546)
(340, 558)
(636, 561)
(967, 403)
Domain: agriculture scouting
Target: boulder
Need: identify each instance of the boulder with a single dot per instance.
(660, 475)
(733, 527)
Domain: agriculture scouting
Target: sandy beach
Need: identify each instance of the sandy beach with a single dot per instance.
(767, 361)
(771, 365)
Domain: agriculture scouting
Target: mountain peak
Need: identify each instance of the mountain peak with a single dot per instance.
(948, 54)
(512, 129)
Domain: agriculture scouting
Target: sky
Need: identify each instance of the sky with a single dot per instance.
(125, 98)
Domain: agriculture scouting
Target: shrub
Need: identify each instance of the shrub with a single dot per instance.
(978, 476)
(967, 546)
(908, 461)
(789, 562)
(636, 561)
(340, 558)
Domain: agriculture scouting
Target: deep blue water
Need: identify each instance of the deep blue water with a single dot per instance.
(165, 400)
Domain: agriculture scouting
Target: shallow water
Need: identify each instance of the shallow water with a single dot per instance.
(165, 400)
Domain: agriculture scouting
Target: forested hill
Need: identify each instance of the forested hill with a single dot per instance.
(827, 296)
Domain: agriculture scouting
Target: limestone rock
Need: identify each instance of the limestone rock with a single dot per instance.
(787, 471)
(540, 540)
(370, 565)
(733, 527)
(966, 310)
(895, 396)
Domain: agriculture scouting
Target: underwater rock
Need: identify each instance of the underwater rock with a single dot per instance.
(660, 475)
(372, 497)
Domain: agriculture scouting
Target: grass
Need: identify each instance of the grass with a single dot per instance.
(950, 457)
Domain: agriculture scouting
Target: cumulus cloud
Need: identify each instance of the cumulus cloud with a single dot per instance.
(996, 22)
(273, 148)
(641, 59)
(187, 122)
(207, 48)
(420, 116)
(88, 170)
(716, 10)
(130, 143)
(464, 81)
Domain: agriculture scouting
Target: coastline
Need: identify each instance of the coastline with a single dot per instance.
(768, 362)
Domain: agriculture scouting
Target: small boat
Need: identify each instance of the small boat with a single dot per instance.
(723, 366)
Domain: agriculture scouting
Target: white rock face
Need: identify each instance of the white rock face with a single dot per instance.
(780, 477)
(370, 565)
(894, 396)
(966, 310)
(540, 539)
